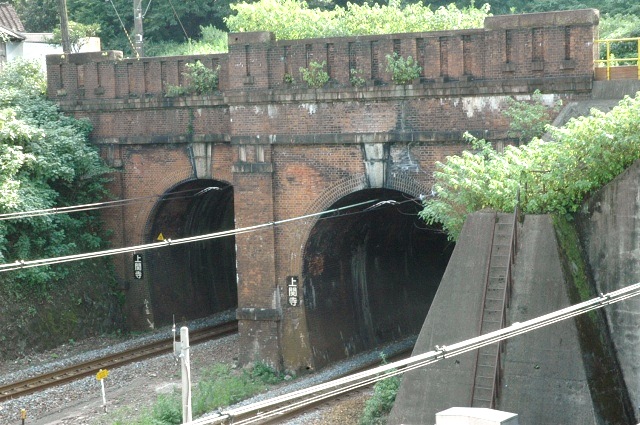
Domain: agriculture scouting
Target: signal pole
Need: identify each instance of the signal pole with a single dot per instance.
(64, 26)
(138, 33)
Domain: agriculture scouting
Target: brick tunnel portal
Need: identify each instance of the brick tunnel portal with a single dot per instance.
(197, 279)
(370, 277)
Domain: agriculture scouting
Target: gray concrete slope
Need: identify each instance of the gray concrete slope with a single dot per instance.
(454, 316)
(604, 96)
(544, 379)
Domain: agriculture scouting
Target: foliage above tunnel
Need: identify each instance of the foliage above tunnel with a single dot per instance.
(46, 162)
(294, 19)
(551, 176)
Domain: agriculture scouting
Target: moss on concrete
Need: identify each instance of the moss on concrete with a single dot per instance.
(608, 390)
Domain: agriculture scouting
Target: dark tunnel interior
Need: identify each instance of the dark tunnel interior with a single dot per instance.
(197, 279)
(370, 274)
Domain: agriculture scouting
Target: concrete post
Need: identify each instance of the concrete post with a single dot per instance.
(186, 375)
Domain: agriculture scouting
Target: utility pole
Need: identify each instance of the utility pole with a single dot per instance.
(138, 33)
(64, 26)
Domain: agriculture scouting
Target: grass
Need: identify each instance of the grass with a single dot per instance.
(219, 386)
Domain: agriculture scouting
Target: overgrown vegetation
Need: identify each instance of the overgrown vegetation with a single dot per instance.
(212, 40)
(528, 120)
(403, 70)
(294, 19)
(355, 78)
(200, 80)
(378, 407)
(167, 24)
(219, 386)
(552, 176)
(46, 161)
(315, 75)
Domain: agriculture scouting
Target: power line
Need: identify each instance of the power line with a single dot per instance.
(105, 204)
(22, 264)
(287, 402)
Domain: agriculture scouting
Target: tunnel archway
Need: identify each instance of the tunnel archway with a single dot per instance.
(193, 280)
(369, 277)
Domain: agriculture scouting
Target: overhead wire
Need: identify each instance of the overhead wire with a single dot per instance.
(125, 30)
(22, 264)
(179, 21)
(282, 404)
(104, 204)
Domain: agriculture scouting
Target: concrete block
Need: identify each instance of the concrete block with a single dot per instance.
(475, 416)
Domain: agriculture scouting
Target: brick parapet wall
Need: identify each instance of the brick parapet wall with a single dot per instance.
(554, 44)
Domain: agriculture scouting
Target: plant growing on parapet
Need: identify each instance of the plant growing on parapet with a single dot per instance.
(288, 79)
(403, 71)
(200, 80)
(529, 119)
(355, 77)
(315, 76)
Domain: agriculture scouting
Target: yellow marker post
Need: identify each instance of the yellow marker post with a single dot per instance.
(100, 376)
(23, 415)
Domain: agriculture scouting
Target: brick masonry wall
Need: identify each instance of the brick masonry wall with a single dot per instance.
(289, 150)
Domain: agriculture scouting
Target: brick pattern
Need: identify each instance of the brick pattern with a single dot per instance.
(290, 151)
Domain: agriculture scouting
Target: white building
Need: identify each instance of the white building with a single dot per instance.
(15, 43)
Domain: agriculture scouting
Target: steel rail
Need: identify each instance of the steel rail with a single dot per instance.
(81, 370)
(276, 406)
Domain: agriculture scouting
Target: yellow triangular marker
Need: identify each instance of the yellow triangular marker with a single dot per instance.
(160, 237)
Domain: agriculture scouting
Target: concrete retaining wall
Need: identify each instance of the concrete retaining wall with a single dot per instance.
(610, 231)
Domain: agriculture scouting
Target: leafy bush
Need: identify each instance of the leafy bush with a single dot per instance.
(168, 409)
(315, 76)
(265, 374)
(553, 176)
(403, 71)
(200, 80)
(379, 405)
(529, 119)
(355, 78)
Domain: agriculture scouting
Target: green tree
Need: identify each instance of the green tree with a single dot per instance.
(78, 34)
(38, 15)
(294, 19)
(46, 162)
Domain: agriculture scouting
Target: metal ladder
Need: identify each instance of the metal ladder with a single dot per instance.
(496, 298)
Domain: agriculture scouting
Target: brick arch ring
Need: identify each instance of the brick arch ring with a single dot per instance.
(402, 182)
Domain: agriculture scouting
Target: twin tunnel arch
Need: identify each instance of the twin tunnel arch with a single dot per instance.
(368, 274)
(193, 280)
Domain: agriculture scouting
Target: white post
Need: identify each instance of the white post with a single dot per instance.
(104, 396)
(186, 375)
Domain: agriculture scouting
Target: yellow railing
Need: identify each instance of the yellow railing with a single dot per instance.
(613, 62)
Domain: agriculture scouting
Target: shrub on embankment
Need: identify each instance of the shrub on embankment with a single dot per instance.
(553, 176)
(47, 162)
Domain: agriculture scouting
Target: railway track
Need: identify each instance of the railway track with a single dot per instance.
(80, 370)
(294, 408)
(329, 401)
